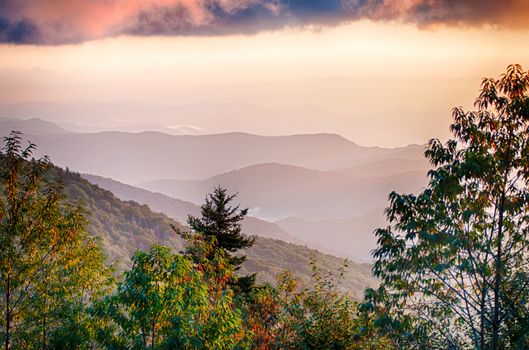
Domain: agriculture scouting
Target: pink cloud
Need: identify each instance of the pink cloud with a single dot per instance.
(63, 21)
(67, 19)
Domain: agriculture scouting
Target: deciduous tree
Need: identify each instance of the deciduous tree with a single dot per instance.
(454, 263)
(167, 301)
(50, 268)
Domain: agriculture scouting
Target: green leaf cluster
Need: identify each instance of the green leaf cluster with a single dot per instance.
(454, 263)
(51, 269)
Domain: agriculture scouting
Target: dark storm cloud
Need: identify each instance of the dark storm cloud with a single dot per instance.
(72, 21)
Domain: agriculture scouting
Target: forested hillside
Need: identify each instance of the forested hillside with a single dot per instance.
(179, 210)
(451, 262)
(323, 179)
(126, 226)
(173, 287)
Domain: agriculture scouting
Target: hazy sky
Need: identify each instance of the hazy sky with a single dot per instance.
(378, 72)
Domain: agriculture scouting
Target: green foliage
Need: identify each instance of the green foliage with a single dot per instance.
(454, 262)
(56, 273)
(128, 226)
(123, 226)
(330, 323)
(317, 317)
(168, 302)
(267, 256)
(221, 223)
(50, 268)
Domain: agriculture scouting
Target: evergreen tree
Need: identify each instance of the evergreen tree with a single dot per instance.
(221, 223)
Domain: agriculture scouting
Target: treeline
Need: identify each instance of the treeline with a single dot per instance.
(129, 226)
(453, 262)
(59, 293)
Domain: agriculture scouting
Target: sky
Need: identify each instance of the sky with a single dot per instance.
(379, 72)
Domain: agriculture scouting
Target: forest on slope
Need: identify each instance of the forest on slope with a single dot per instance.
(126, 226)
(319, 190)
(452, 262)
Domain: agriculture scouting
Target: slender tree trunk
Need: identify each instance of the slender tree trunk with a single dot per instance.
(8, 311)
(497, 279)
(44, 332)
(153, 337)
(144, 337)
(44, 319)
(482, 325)
(498, 261)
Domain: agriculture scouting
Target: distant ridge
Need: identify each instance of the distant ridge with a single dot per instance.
(139, 157)
(32, 126)
(327, 183)
(179, 209)
(279, 190)
(125, 226)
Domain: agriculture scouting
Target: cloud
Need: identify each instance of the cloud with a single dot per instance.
(187, 129)
(73, 21)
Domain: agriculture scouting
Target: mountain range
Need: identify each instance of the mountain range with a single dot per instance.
(275, 191)
(139, 157)
(320, 190)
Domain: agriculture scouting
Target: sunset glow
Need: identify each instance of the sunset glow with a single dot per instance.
(375, 72)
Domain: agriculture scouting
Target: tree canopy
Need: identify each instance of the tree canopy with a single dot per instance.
(50, 268)
(454, 261)
(220, 223)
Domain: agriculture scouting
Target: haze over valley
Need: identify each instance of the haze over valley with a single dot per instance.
(319, 190)
(264, 174)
